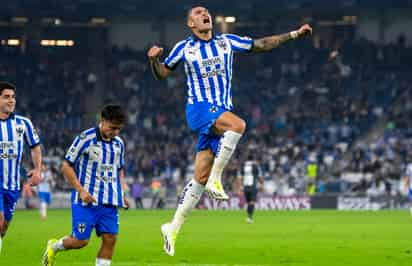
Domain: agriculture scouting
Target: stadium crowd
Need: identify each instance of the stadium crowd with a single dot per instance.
(308, 114)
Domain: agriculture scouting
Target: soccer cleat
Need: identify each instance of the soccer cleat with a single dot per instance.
(49, 254)
(215, 190)
(169, 239)
(249, 220)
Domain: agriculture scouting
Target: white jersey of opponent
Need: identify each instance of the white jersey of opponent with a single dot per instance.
(44, 185)
(208, 66)
(14, 132)
(97, 164)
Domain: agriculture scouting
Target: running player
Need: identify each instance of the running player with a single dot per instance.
(15, 130)
(94, 166)
(207, 59)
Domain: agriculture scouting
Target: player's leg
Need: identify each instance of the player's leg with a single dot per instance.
(188, 199)
(8, 202)
(83, 221)
(104, 257)
(231, 128)
(107, 226)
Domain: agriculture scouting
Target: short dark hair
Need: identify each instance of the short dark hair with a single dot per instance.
(189, 10)
(4, 85)
(113, 113)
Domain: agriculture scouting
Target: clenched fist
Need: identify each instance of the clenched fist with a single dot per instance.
(154, 53)
(305, 29)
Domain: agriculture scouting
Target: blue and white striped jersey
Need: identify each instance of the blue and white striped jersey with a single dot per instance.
(97, 164)
(208, 66)
(15, 130)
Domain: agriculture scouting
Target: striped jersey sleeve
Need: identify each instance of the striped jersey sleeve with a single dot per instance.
(30, 133)
(175, 56)
(79, 144)
(238, 43)
(122, 153)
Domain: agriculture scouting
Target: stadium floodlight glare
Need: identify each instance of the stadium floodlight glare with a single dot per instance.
(13, 42)
(230, 19)
(57, 21)
(20, 20)
(219, 19)
(61, 43)
(98, 20)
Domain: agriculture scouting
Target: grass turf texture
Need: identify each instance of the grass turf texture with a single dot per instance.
(321, 238)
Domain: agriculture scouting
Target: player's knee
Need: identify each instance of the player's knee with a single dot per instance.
(239, 126)
(109, 240)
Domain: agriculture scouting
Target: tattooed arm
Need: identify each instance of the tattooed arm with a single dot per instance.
(268, 43)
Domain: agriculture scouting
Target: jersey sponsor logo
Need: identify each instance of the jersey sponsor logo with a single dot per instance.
(213, 109)
(211, 61)
(7, 145)
(8, 156)
(213, 73)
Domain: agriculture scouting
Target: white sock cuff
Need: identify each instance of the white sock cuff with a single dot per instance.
(231, 138)
(103, 262)
(197, 188)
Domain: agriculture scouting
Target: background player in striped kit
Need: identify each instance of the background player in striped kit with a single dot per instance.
(251, 177)
(15, 130)
(207, 59)
(94, 166)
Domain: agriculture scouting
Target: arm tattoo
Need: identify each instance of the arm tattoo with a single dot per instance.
(268, 43)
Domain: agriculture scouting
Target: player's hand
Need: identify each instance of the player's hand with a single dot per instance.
(126, 204)
(86, 197)
(35, 177)
(304, 30)
(154, 53)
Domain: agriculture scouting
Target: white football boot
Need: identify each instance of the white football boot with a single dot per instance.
(214, 189)
(169, 239)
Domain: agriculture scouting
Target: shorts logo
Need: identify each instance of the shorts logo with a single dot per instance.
(213, 109)
(81, 227)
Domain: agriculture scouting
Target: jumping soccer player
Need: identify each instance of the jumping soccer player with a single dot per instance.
(14, 131)
(208, 59)
(94, 166)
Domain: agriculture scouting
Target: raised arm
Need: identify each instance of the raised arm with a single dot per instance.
(159, 70)
(266, 44)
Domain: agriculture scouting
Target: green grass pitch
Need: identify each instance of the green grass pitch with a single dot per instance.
(316, 238)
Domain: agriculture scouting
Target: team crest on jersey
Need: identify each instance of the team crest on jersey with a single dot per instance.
(222, 44)
(20, 130)
(94, 152)
(81, 227)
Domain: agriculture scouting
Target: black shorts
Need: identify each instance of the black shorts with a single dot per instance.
(250, 194)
